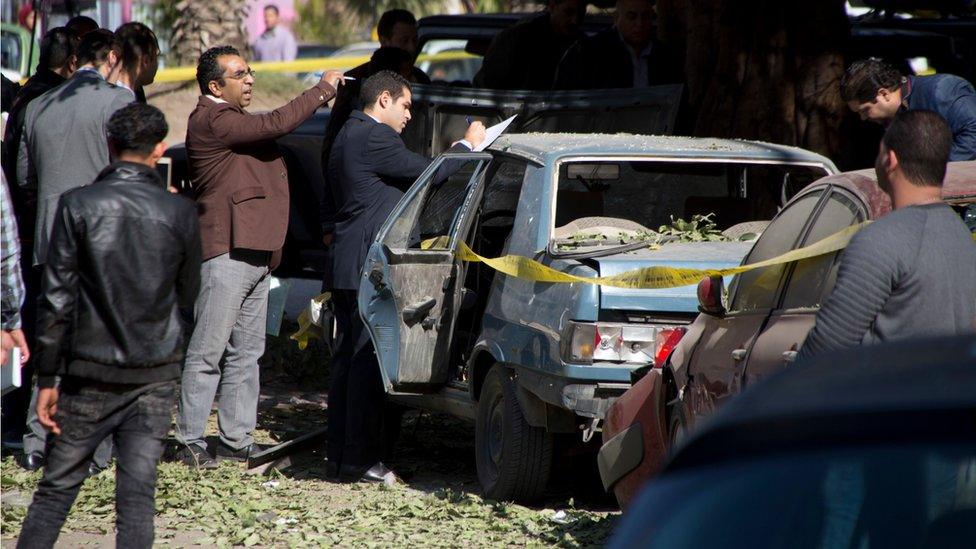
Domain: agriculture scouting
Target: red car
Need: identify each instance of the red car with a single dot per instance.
(768, 315)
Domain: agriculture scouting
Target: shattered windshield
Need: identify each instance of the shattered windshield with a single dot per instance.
(634, 203)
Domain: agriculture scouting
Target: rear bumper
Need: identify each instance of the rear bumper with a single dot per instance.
(634, 445)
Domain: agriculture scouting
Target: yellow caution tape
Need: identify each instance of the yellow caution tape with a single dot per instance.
(182, 74)
(645, 277)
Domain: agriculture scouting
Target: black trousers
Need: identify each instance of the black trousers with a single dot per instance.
(356, 438)
(139, 417)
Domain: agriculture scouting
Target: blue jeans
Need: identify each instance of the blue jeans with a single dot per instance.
(138, 416)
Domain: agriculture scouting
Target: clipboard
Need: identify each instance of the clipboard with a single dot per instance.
(11, 375)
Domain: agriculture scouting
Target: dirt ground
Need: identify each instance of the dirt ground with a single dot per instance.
(439, 503)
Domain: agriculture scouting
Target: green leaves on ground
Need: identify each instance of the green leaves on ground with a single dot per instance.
(230, 507)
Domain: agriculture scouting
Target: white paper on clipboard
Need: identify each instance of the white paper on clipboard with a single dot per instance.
(11, 371)
(492, 133)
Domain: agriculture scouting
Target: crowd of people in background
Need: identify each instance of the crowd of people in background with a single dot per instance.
(126, 287)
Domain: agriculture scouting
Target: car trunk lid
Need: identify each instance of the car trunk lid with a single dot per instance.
(686, 255)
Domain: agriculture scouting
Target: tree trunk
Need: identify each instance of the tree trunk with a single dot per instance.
(762, 69)
(202, 25)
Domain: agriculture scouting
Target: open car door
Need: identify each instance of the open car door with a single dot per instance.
(439, 112)
(409, 293)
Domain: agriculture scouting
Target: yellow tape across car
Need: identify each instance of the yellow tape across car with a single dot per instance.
(645, 277)
(183, 74)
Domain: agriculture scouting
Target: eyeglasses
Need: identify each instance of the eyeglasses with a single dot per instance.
(241, 75)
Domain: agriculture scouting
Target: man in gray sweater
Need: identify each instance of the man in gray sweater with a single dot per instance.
(913, 272)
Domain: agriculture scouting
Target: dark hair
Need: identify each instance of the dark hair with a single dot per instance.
(390, 18)
(137, 41)
(273, 8)
(864, 78)
(82, 24)
(922, 141)
(209, 69)
(137, 128)
(95, 47)
(57, 47)
(383, 81)
(389, 59)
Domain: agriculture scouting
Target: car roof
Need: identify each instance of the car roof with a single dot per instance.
(488, 24)
(833, 397)
(959, 186)
(548, 147)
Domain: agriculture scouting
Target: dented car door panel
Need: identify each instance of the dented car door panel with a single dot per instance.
(408, 295)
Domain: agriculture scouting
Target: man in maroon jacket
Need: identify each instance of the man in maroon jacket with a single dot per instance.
(241, 187)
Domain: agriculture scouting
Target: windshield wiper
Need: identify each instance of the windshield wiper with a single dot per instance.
(612, 249)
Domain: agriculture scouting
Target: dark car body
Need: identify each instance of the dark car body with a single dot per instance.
(769, 314)
(947, 44)
(870, 447)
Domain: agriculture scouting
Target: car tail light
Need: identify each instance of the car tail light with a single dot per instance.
(667, 340)
(624, 343)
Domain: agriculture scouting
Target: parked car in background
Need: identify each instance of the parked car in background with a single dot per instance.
(531, 361)
(868, 448)
(16, 62)
(356, 49)
(315, 51)
(752, 333)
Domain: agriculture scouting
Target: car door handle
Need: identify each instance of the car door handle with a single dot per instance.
(738, 354)
(376, 278)
(789, 356)
(418, 311)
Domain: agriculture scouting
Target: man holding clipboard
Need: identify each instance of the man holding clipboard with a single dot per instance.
(14, 344)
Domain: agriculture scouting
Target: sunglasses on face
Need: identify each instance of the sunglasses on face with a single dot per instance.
(241, 75)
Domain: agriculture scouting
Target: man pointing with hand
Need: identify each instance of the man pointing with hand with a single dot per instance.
(369, 170)
(241, 187)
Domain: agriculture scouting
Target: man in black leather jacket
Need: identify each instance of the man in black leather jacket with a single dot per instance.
(123, 260)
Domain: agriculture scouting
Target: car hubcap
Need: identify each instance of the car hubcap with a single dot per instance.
(496, 428)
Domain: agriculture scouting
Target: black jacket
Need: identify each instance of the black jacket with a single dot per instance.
(124, 257)
(603, 61)
(346, 101)
(524, 56)
(369, 170)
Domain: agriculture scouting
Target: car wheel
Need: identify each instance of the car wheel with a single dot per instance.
(513, 458)
(677, 426)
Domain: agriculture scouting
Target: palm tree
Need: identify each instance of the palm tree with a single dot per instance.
(203, 24)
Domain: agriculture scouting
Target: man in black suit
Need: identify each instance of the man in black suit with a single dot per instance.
(624, 56)
(369, 170)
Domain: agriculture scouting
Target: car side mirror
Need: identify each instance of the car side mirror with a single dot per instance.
(710, 296)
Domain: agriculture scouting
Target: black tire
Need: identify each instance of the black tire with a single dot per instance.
(513, 458)
(677, 426)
